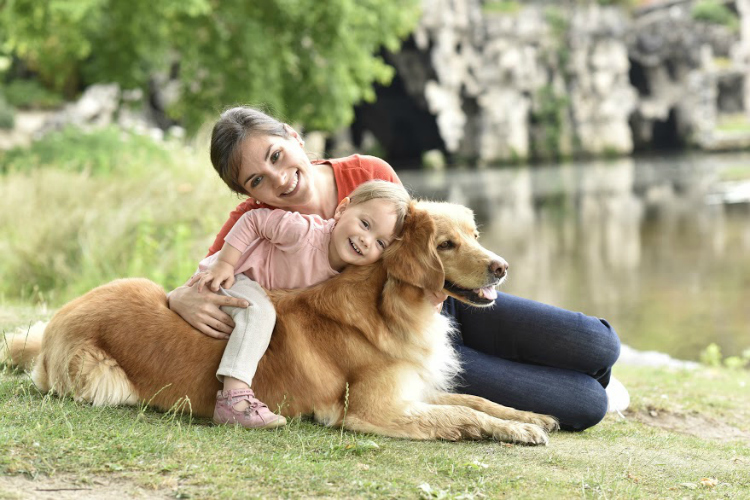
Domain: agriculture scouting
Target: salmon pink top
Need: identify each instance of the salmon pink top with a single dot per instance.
(280, 249)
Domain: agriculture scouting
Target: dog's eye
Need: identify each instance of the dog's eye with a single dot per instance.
(446, 245)
(476, 236)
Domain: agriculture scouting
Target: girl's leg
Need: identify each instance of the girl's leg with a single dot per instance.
(251, 334)
(550, 355)
(247, 344)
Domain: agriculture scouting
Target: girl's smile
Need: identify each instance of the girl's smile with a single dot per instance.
(362, 232)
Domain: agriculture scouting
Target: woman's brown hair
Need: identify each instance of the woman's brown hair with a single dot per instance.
(234, 126)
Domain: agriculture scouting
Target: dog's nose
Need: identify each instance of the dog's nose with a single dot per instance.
(499, 267)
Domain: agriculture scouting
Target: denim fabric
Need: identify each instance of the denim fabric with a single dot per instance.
(536, 357)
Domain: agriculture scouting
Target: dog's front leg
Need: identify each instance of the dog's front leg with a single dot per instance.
(416, 420)
(546, 422)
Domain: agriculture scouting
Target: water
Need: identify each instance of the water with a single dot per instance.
(649, 244)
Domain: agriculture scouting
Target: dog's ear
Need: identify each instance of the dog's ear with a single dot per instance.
(413, 258)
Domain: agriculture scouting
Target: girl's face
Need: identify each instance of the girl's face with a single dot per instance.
(362, 232)
(276, 171)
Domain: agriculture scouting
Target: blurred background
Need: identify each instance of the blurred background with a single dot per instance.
(602, 144)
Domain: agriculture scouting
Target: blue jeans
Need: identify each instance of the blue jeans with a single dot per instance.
(536, 357)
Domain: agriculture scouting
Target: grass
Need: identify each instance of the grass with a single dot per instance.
(733, 123)
(79, 209)
(48, 440)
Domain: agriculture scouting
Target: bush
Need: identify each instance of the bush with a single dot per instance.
(712, 11)
(30, 94)
(7, 114)
(99, 152)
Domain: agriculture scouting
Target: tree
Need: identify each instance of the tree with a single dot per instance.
(308, 60)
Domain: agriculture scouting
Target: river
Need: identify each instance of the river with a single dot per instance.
(658, 246)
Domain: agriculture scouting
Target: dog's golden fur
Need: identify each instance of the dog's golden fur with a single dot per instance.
(369, 331)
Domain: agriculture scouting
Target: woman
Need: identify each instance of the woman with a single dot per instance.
(519, 353)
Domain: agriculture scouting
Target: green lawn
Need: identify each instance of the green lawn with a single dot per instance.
(687, 435)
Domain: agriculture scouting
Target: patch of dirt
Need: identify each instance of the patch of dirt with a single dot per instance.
(694, 424)
(69, 488)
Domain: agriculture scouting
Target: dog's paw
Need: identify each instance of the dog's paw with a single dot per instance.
(546, 422)
(522, 433)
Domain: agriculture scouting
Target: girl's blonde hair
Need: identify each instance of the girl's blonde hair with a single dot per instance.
(384, 190)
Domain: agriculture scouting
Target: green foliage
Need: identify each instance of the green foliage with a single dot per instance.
(30, 94)
(557, 21)
(501, 7)
(99, 152)
(621, 3)
(711, 356)
(310, 61)
(7, 115)
(548, 120)
(713, 11)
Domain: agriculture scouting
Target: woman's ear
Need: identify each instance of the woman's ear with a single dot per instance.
(341, 207)
(294, 134)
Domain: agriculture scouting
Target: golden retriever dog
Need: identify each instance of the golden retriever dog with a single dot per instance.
(364, 350)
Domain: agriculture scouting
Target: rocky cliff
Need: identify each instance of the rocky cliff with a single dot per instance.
(512, 81)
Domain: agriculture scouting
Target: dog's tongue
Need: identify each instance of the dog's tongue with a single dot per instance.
(488, 292)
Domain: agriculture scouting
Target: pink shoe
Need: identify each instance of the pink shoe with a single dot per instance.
(255, 416)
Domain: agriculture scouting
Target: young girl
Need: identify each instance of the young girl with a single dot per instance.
(281, 249)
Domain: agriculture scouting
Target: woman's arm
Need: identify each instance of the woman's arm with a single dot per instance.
(201, 309)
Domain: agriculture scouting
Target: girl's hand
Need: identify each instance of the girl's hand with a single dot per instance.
(201, 309)
(219, 274)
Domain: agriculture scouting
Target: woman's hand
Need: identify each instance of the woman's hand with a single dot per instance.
(437, 299)
(201, 310)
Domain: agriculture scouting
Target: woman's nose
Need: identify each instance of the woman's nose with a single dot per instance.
(280, 178)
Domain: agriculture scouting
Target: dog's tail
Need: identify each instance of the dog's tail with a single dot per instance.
(20, 349)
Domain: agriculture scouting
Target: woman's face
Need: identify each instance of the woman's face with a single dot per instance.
(276, 171)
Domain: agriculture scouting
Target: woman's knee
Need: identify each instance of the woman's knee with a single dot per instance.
(603, 346)
(610, 344)
(587, 411)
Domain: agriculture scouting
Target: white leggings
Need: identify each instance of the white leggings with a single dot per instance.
(253, 327)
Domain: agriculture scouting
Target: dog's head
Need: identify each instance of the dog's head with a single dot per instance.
(438, 249)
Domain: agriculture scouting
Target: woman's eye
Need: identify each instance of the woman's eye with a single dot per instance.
(275, 156)
(382, 244)
(256, 181)
(366, 224)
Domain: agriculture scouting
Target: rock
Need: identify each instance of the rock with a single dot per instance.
(580, 78)
(94, 109)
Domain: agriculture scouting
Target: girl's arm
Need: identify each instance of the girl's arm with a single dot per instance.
(220, 272)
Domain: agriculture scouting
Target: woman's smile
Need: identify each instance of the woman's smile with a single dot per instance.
(293, 185)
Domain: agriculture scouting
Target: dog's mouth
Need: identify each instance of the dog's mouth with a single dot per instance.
(479, 296)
